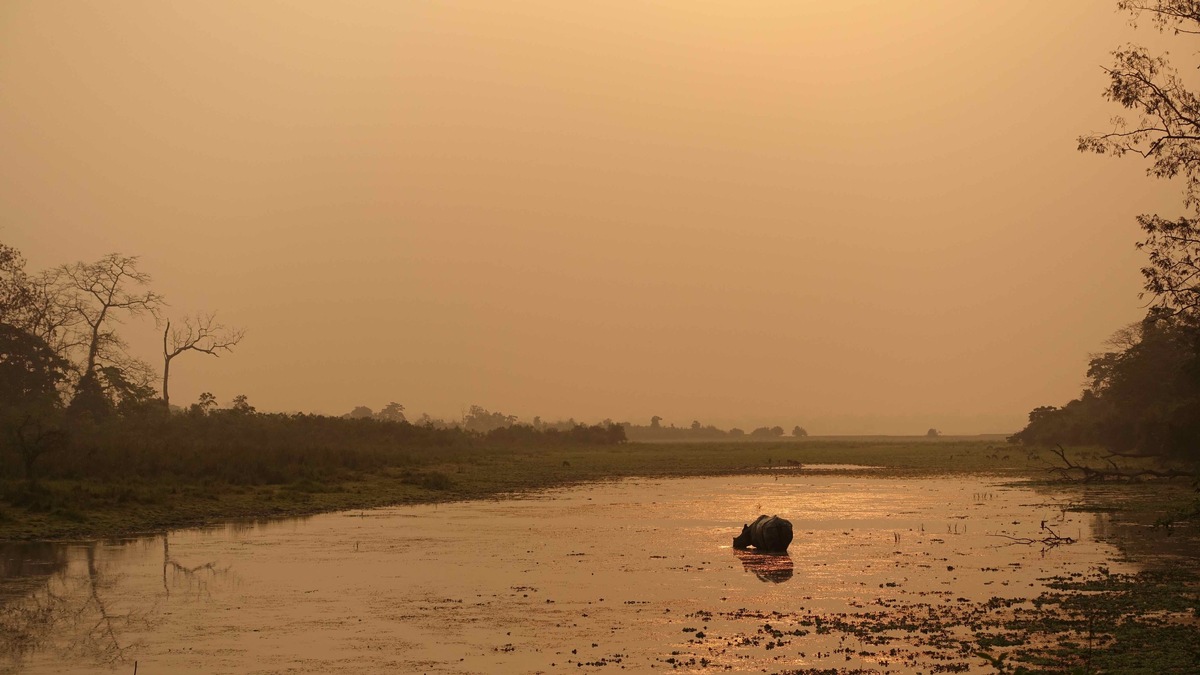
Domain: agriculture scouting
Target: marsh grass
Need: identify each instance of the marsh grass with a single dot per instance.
(149, 495)
(1097, 623)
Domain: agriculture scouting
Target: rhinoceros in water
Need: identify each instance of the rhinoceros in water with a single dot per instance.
(767, 533)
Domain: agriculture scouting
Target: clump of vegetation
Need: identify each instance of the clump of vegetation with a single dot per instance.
(696, 431)
(1106, 622)
(1098, 623)
(436, 480)
(1143, 397)
(240, 447)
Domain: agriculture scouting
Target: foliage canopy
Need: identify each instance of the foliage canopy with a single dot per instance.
(1143, 395)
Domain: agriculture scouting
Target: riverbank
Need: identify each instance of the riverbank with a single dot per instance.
(131, 505)
(89, 509)
(1089, 620)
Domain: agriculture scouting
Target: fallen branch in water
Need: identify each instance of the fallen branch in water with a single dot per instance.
(1050, 541)
(1090, 474)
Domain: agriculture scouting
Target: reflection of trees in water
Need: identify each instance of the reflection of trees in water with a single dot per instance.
(98, 622)
(28, 608)
(195, 578)
(26, 566)
(26, 624)
(72, 612)
(773, 567)
(63, 600)
(1138, 537)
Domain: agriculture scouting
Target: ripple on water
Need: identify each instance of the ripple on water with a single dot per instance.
(638, 573)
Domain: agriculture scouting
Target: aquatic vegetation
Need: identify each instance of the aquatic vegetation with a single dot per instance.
(1102, 622)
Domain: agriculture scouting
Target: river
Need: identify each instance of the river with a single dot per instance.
(635, 574)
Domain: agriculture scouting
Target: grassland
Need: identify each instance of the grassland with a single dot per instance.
(115, 507)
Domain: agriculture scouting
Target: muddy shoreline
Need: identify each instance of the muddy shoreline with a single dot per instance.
(224, 504)
(83, 509)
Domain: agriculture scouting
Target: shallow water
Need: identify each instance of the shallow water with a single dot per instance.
(636, 574)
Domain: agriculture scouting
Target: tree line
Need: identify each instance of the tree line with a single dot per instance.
(481, 420)
(1142, 395)
(70, 390)
(657, 431)
(64, 366)
(61, 339)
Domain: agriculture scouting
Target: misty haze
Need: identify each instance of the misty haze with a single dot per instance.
(535, 337)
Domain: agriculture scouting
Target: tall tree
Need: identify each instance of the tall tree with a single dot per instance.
(30, 404)
(1144, 396)
(31, 371)
(16, 292)
(33, 303)
(1165, 129)
(392, 412)
(200, 334)
(94, 296)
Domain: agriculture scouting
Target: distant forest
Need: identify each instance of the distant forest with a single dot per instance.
(75, 404)
(481, 420)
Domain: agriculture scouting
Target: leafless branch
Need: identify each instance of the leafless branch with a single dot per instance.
(200, 333)
(1089, 474)
(1049, 541)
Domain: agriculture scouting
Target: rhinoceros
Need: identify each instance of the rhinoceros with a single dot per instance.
(767, 533)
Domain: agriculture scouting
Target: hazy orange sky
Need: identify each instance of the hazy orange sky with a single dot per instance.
(860, 217)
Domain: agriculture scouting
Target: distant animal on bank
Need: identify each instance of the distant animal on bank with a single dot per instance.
(767, 533)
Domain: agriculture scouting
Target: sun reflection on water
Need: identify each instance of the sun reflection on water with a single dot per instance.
(637, 572)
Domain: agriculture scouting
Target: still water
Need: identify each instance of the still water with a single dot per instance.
(636, 575)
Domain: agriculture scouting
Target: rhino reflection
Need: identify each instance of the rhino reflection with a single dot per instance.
(773, 567)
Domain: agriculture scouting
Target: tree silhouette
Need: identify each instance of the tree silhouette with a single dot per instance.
(1165, 129)
(92, 297)
(392, 412)
(200, 334)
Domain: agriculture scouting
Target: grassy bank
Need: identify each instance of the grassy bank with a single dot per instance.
(124, 506)
(128, 504)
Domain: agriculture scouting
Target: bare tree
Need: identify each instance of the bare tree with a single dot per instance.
(201, 334)
(48, 317)
(98, 292)
(89, 298)
(33, 303)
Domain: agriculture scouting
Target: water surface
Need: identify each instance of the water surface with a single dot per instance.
(636, 574)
